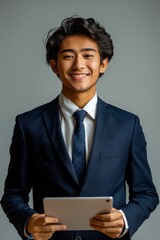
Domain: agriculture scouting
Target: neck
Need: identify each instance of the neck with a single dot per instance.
(79, 99)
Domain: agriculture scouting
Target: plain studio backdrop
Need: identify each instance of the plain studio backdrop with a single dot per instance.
(130, 82)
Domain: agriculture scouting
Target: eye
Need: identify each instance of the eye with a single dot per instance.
(68, 57)
(88, 56)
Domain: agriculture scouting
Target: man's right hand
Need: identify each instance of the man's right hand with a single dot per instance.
(42, 227)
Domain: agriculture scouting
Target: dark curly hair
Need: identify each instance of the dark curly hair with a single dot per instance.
(78, 25)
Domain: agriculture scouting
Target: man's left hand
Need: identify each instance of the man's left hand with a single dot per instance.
(110, 224)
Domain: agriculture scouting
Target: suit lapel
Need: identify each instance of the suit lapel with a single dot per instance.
(101, 130)
(52, 124)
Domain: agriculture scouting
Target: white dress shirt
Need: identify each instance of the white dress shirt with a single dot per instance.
(67, 108)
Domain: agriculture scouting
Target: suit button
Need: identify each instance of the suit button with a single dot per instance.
(78, 238)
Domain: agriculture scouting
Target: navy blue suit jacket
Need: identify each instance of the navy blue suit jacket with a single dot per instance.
(39, 160)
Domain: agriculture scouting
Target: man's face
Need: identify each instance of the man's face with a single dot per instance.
(78, 65)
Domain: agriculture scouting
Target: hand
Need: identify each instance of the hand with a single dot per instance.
(42, 227)
(110, 224)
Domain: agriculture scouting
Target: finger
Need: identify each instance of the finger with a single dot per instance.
(42, 236)
(113, 232)
(39, 219)
(58, 227)
(50, 220)
(50, 228)
(46, 232)
(104, 224)
(115, 215)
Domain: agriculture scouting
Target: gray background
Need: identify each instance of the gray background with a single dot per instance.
(131, 81)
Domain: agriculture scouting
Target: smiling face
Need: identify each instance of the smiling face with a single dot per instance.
(78, 66)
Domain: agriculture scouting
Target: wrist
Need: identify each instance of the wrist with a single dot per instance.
(29, 226)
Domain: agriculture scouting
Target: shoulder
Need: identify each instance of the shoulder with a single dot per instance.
(121, 119)
(38, 111)
(115, 110)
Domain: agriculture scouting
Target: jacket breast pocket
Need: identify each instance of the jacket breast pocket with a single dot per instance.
(112, 154)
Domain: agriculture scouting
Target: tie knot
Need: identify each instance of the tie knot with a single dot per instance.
(79, 115)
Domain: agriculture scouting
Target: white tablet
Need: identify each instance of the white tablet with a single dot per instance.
(75, 212)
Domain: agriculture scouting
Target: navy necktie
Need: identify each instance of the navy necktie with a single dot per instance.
(78, 146)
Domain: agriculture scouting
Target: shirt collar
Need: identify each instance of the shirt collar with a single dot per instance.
(68, 107)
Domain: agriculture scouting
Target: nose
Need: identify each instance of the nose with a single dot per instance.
(78, 63)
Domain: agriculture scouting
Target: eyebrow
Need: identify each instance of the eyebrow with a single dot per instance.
(82, 50)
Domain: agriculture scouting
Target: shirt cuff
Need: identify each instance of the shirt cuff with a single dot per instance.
(26, 234)
(126, 226)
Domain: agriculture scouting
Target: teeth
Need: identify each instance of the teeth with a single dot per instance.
(79, 75)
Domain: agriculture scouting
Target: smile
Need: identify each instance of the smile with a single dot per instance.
(79, 76)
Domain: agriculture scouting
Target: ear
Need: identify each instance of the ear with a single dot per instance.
(104, 65)
(54, 66)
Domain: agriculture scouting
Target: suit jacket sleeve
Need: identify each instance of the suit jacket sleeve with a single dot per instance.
(143, 198)
(18, 183)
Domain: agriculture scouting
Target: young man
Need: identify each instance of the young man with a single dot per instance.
(42, 155)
